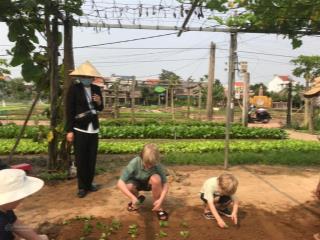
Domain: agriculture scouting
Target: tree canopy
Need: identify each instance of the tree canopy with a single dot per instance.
(308, 67)
(292, 18)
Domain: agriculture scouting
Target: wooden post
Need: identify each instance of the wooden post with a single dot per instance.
(210, 81)
(233, 74)
(116, 99)
(188, 100)
(172, 103)
(167, 98)
(199, 102)
(133, 100)
(246, 84)
(230, 96)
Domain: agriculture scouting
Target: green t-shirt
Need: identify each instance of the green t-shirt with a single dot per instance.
(135, 171)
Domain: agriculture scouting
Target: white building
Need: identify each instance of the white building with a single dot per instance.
(279, 82)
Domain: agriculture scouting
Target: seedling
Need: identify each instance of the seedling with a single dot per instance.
(184, 224)
(184, 234)
(101, 226)
(87, 228)
(66, 222)
(103, 236)
(162, 234)
(133, 230)
(163, 223)
(115, 224)
(84, 218)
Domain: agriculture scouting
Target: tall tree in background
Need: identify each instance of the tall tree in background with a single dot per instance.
(171, 80)
(307, 67)
(3, 84)
(27, 20)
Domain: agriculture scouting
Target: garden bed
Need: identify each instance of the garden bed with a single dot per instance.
(271, 207)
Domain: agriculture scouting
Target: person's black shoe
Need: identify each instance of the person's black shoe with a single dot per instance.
(82, 193)
(93, 188)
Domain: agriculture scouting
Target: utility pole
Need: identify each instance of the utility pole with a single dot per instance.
(188, 100)
(233, 46)
(289, 103)
(211, 80)
(199, 102)
(230, 95)
(133, 100)
(245, 97)
(167, 97)
(172, 103)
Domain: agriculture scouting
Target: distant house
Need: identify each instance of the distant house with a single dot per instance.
(151, 82)
(279, 82)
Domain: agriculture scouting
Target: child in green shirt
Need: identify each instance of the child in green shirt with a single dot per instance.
(145, 173)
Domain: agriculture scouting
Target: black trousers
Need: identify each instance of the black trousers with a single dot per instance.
(85, 148)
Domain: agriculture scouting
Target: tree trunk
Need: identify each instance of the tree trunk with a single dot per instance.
(306, 107)
(311, 116)
(52, 38)
(68, 61)
(68, 65)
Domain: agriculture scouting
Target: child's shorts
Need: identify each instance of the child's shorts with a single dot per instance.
(140, 185)
(222, 199)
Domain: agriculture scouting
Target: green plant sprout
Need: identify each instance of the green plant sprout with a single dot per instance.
(163, 223)
(87, 228)
(133, 230)
(116, 224)
(184, 234)
(101, 226)
(184, 224)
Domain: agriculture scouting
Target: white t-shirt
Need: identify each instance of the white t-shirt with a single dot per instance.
(210, 187)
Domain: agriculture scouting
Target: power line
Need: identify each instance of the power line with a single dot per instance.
(123, 41)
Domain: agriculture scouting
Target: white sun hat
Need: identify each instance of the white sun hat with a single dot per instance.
(15, 185)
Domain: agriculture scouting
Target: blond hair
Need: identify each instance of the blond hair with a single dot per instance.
(228, 184)
(150, 154)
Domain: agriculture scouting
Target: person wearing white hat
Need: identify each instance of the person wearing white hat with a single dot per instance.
(84, 101)
(14, 187)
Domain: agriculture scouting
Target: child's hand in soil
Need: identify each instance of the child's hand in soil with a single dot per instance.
(234, 218)
(222, 224)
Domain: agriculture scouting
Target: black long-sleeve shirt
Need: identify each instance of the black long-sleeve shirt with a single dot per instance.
(77, 103)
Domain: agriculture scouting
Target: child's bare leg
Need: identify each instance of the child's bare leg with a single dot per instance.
(156, 187)
(133, 189)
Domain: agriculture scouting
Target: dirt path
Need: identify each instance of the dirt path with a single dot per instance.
(302, 136)
(276, 203)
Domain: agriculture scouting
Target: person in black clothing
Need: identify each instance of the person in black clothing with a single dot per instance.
(14, 187)
(84, 101)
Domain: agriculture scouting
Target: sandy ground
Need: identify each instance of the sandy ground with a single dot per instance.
(268, 195)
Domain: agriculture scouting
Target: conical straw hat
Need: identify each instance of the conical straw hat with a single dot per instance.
(86, 69)
(315, 89)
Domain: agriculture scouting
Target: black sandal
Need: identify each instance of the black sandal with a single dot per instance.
(162, 215)
(132, 208)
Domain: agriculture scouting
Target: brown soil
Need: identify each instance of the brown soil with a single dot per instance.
(276, 203)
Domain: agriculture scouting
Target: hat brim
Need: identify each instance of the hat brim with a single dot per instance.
(31, 185)
(313, 92)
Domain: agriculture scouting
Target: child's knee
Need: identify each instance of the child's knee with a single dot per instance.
(155, 179)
